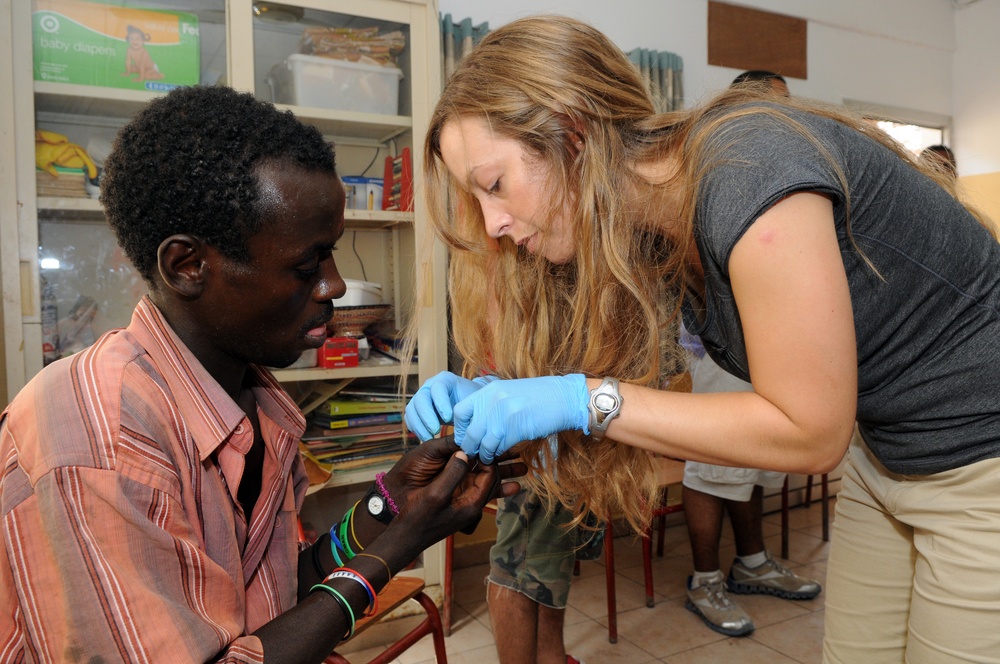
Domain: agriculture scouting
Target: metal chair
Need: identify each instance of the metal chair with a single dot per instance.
(399, 590)
(824, 502)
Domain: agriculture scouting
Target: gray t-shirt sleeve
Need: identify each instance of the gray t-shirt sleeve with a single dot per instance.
(753, 162)
(927, 323)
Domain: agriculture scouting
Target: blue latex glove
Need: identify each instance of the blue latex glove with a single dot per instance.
(502, 414)
(433, 402)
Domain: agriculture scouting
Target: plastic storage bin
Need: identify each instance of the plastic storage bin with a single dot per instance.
(309, 80)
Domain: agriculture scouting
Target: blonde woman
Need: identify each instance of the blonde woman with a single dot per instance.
(814, 258)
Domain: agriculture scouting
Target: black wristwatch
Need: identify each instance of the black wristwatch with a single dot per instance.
(377, 505)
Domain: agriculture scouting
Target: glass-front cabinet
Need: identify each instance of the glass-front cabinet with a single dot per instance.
(366, 73)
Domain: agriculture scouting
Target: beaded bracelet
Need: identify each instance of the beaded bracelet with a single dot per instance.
(385, 493)
(344, 604)
(347, 573)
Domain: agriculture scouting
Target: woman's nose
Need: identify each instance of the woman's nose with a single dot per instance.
(497, 221)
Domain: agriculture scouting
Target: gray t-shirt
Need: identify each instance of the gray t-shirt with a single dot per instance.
(928, 335)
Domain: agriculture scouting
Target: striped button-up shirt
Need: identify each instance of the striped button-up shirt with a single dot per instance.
(123, 539)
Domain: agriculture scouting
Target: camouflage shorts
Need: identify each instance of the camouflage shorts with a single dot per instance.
(534, 551)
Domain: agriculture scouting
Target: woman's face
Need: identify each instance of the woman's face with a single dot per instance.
(510, 185)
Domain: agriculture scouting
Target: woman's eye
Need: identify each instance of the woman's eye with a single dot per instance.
(495, 188)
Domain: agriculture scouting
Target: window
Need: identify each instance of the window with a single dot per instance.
(914, 137)
(914, 129)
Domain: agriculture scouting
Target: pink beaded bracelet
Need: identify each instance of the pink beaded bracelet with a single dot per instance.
(385, 493)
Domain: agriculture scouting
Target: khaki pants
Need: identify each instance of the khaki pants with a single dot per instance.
(914, 568)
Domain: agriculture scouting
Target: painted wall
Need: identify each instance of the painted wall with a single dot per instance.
(857, 49)
(976, 104)
(932, 57)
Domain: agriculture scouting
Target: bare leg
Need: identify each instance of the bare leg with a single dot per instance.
(703, 514)
(551, 648)
(515, 624)
(747, 520)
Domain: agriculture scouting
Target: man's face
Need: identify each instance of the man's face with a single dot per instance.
(275, 306)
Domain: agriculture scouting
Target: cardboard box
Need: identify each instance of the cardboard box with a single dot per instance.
(93, 43)
(363, 193)
(310, 80)
(338, 352)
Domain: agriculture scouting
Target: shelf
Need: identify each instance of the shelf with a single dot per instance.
(86, 210)
(91, 207)
(375, 366)
(89, 100)
(95, 101)
(376, 219)
(378, 129)
(350, 477)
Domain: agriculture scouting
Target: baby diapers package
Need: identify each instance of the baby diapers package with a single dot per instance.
(97, 43)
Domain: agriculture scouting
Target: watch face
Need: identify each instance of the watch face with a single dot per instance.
(605, 402)
(375, 505)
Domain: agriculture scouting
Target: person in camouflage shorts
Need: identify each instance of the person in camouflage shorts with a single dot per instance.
(535, 549)
(531, 565)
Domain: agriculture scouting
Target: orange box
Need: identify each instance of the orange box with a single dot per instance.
(338, 352)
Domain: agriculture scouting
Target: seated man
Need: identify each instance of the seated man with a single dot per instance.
(152, 481)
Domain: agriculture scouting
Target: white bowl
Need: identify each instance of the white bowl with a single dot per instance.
(360, 293)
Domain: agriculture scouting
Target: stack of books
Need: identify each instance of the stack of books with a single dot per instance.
(70, 183)
(356, 430)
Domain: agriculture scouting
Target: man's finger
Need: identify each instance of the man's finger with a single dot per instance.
(450, 477)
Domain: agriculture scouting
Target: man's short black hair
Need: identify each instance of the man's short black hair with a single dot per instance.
(762, 75)
(186, 164)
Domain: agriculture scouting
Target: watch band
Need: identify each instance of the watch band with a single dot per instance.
(605, 405)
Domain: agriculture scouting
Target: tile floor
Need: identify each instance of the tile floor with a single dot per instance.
(788, 632)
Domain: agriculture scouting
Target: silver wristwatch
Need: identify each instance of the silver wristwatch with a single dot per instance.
(605, 404)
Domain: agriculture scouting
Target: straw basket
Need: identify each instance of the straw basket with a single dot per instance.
(352, 321)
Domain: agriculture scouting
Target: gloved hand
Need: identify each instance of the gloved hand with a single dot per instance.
(433, 402)
(502, 414)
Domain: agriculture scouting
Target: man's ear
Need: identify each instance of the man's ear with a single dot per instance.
(181, 264)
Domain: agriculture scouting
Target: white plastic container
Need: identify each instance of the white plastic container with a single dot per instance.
(309, 80)
(359, 294)
(307, 360)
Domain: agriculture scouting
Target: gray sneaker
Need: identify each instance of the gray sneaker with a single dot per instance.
(771, 578)
(709, 600)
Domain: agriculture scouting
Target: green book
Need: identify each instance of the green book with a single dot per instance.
(341, 407)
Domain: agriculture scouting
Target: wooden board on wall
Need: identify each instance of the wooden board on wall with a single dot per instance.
(744, 38)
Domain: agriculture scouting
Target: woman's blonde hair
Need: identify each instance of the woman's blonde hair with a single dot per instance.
(552, 82)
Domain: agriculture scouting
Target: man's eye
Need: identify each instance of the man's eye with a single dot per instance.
(312, 267)
(308, 269)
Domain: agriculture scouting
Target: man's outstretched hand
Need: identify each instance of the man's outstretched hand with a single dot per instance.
(439, 491)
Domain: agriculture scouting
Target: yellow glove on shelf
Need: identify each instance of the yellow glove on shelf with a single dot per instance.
(52, 149)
